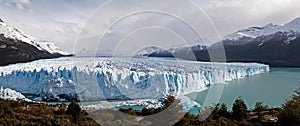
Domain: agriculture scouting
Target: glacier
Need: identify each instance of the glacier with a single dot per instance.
(92, 79)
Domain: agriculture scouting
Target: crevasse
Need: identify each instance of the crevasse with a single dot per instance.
(120, 78)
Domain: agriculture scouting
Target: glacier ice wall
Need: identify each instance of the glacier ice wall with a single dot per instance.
(120, 78)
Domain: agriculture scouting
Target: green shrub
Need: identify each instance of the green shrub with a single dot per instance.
(74, 110)
(290, 114)
(239, 110)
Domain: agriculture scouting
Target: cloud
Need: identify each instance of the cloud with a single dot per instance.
(61, 33)
(61, 21)
(19, 4)
(181, 19)
(232, 15)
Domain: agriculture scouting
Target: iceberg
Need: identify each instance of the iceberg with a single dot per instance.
(92, 79)
(11, 94)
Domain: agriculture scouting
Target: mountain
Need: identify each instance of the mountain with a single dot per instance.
(16, 46)
(172, 52)
(276, 45)
(148, 50)
(290, 30)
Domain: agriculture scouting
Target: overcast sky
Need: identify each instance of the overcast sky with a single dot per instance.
(114, 27)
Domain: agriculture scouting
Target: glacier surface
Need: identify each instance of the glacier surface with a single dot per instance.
(120, 78)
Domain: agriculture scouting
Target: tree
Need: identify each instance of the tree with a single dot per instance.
(74, 110)
(239, 110)
(223, 111)
(220, 111)
(296, 95)
(290, 114)
(259, 107)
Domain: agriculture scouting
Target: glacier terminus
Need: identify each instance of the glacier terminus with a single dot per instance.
(99, 78)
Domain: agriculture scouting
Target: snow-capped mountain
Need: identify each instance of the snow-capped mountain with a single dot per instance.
(148, 50)
(13, 33)
(17, 46)
(244, 36)
(172, 52)
(276, 45)
(184, 52)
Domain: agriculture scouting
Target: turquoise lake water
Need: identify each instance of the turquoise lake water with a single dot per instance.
(271, 88)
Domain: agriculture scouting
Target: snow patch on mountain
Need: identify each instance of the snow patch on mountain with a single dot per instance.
(13, 33)
(148, 50)
(290, 29)
(156, 50)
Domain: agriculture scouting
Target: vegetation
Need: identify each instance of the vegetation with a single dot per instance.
(260, 115)
(26, 113)
(290, 114)
(74, 110)
(239, 110)
(259, 107)
(219, 115)
(151, 111)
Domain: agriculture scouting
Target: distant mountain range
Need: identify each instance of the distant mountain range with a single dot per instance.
(148, 50)
(16, 46)
(276, 45)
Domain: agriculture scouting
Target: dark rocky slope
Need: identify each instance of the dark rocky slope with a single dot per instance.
(14, 50)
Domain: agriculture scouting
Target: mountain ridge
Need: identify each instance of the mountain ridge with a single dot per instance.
(18, 47)
(276, 45)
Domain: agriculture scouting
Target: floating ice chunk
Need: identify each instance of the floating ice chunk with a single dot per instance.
(11, 94)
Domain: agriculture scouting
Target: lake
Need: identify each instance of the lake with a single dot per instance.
(271, 88)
